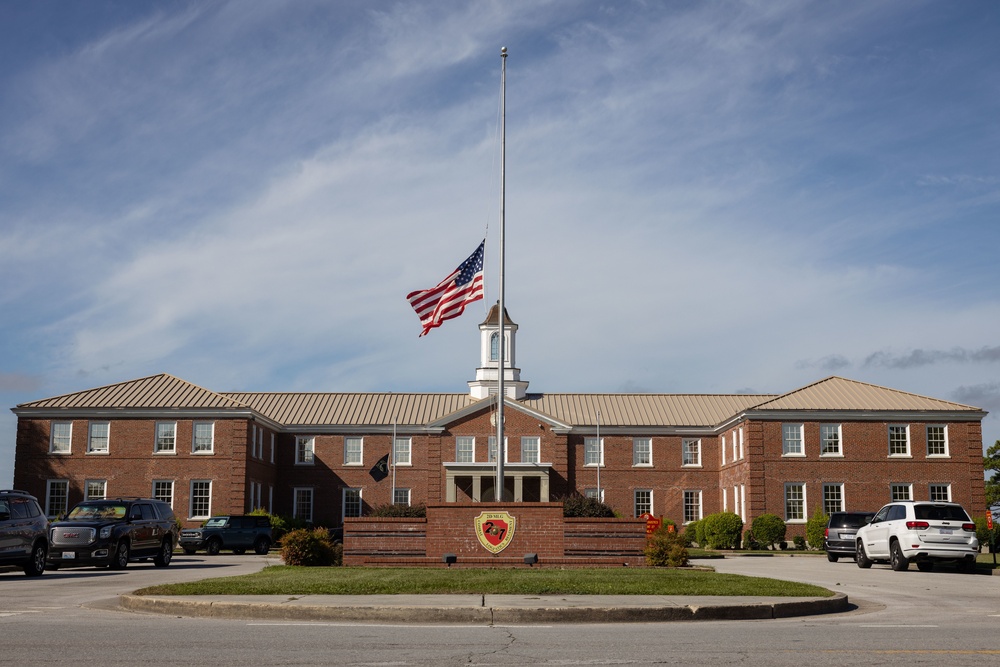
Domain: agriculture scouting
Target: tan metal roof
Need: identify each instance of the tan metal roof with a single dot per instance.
(643, 409)
(836, 393)
(157, 391)
(347, 409)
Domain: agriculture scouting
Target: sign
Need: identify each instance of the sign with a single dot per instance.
(989, 520)
(495, 530)
(652, 523)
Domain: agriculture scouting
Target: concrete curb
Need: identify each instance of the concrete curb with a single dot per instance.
(528, 611)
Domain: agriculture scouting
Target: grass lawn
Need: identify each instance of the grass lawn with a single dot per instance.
(285, 580)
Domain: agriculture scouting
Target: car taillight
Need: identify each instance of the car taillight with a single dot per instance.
(971, 527)
(917, 525)
(826, 532)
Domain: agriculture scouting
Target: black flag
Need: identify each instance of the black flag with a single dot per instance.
(380, 470)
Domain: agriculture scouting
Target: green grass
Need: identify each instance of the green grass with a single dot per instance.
(285, 580)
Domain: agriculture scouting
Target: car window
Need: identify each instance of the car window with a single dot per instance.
(897, 512)
(882, 514)
(19, 508)
(216, 522)
(147, 512)
(940, 513)
(88, 512)
(4, 509)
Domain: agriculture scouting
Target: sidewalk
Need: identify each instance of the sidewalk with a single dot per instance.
(484, 609)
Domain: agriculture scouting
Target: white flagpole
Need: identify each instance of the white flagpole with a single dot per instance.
(392, 463)
(600, 457)
(501, 449)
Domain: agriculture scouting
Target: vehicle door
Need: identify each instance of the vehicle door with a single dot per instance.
(142, 523)
(877, 534)
(242, 532)
(9, 539)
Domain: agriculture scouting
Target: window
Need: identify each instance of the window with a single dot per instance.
(492, 447)
(594, 493)
(465, 449)
(163, 489)
(353, 451)
(791, 440)
(741, 442)
(723, 450)
(735, 450)
(302, 504)
(62, 438)
(692, 506)
(401, 456)
(530, 449)
(642, 452)
(899, 492)
(201, 498)
(829, 440)
(899, 440)
(401, 497)
(833, 498)
(352, 502)
(96, 489)
(204, 438)
(495, 346)
(56, 497)
(940, 493)
(643, 501)
(593, 452)
(795, 502)
(97, 439)
(305, 450)
(166, 438)
(937, 441)
(691, 452)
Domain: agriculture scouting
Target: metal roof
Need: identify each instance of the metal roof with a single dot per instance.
(836, 393)
(156, 391)
(349, 409)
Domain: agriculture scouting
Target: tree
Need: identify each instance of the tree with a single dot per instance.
(991, 463)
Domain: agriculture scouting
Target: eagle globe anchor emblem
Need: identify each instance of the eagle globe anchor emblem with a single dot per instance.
(495, 530)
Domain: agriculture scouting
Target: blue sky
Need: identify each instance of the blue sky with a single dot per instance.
(702, 197)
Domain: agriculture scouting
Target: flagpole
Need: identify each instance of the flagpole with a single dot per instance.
(600, 457)
(392, 463)
(501, 449)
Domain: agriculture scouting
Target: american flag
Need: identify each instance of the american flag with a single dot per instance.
(449, 298)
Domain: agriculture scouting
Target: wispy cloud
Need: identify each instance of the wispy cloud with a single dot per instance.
(917, 358)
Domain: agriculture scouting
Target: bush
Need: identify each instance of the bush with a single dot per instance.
(584, 507)
(280, 525)
(722, 530)
(768, 529)
(816, 528)
(666, 548)
(985, 534)
(310, 548)
(799, 542)
(749, 541)
(699, 534)
(400, 511)
(691, 534)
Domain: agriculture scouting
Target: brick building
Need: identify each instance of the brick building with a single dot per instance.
(836, 444)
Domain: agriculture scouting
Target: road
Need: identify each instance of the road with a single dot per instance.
(908, 618)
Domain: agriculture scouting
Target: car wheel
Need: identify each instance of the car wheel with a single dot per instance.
(213, 547)
(261, 546)
(832, 557)
(162, 559)
(120, 560)
(925, 566)
(36, 565)
(896, 558)
(862, 558)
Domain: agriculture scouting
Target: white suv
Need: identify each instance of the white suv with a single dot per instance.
(918, 531)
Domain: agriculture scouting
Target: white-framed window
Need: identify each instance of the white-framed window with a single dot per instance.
(61, 438)
(352, 502)
(741, 443)
(833, 498)
(302, 503)
(201, 499)
(594, 493)
(98, 437)
(642, 452)
(900, 491)
(795, 502)
(643, 502)
(56, 497)
(95, 489)
(735, 446)
(829, 440)
(465, 449)
(691, 453)
(272, 448)
(166, 438)
(791, 440)
(257, 442)
(692, 506)
(402, 454)
(593, 452)
(495, 346)
(203, 438)
(354, 451)
(723, 450)
(305, 450)
(491, 447)
(937, 440)
(736, 500)
(940, 493)
(531, 449)
(163, 489)
(725, 500)
(743, 502)
(899, 440)
(401, 497)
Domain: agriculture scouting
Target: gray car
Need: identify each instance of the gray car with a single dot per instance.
(23, 532)
(838, 540)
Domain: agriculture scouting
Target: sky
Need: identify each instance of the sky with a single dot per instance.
(700, 197)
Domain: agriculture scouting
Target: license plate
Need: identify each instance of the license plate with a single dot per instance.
(947, 531)
(847, 536)
(69, 555)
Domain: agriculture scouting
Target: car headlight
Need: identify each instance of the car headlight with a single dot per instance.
(105, 532)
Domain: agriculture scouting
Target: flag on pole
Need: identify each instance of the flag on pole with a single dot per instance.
(380, 470)
(449, 298)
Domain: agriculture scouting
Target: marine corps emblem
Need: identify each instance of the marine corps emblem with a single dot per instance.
(495, 530)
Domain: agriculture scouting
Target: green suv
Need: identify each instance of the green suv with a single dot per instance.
(24, 529)
(236, 533)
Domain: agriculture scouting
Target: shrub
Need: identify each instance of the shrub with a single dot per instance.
(768, 529)
(699, 534)
(691, 534)
(985, 535)
(309, 548)
(666, 548)
(800, 542)
(722, 530)
(399, 511)
(584, 507)
(280, 525)
(816, 528)
(749, 541)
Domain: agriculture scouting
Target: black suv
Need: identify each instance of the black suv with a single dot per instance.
(838, 540)
(238, 533)
(113, 532)
(23, 532)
